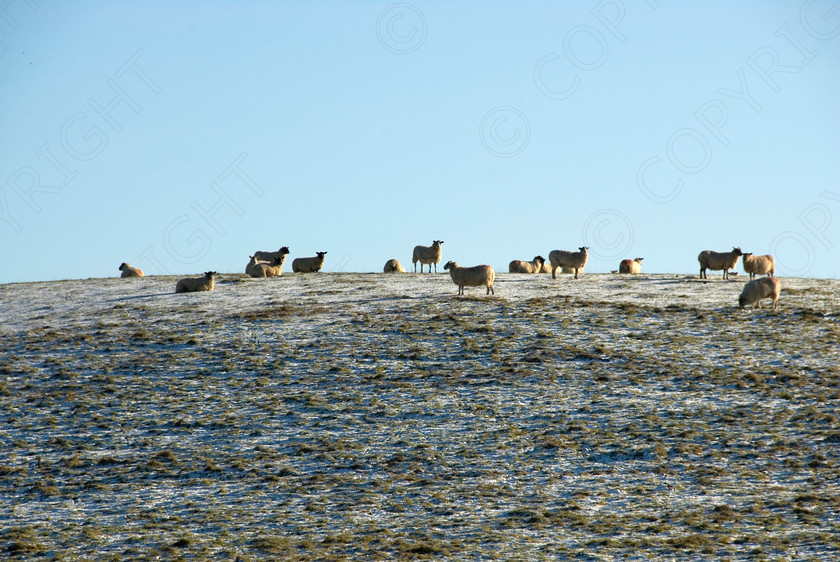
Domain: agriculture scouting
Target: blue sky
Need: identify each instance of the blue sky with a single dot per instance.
(182, 138)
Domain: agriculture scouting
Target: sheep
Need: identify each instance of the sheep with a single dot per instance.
(630, 266)
(309, 265)
(254, 261)
(718, 260)
(759, 265)
(269, 256)
(573, 260)
(195, 284)
(393, 266)
(761, 288)
(128, 271)
(519, 266)
(427, 255)
(477, 276)
(263, 269)
(546, 267)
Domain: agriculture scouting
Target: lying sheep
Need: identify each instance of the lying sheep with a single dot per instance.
(263, 269)
(759, 265)
(546, 267)
(128, 271)
(427, 255)
(520, 266)
(253, 261)
(573, 260)
(761, 288)
(195, 284)
(393, 266)
(269, 256)
(718, 260)
(309, 265)
(477, 276)
(630, 266)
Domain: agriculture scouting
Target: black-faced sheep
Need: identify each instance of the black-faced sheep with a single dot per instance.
(427, 255)
(573, 260)
(128, 271)
(521, 266)
(195, 284)
(476, 276)
(717, 261)
(309, 265)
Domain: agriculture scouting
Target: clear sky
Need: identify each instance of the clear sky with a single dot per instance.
(182, 136)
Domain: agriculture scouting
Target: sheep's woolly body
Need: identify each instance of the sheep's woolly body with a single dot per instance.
(195, 284)
(630, 266)
(427, 255)
(759, 265)
(309, 265)
(573, 260)
(521, 266)
(268, 269)
(718, 260)
(476, 276)
(128, 271)
(254, 261)
(393, 266)
(269, 257)
(761, 288)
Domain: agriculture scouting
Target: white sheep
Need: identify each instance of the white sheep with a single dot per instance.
(761, 288)
(393, 266)
(630, 266)
(253, 261)
(269, 256)
(195, 284)
(309, 265)
(477, 276)
(263, 269)
(573, 260)
(759, 265)
(128, 271)
(520, 266)
(427, 255)
(717, 261)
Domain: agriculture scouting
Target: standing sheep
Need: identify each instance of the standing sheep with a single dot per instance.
(520, 266)
(718, 260)
(195, 284)
(477, 276)
(761, 288)
(427, 255)
(759, 265)
(128, 271)
(269, 256)
(263, 269)
(630, 266)
(309, 265)
(564, 258)
(393, 266)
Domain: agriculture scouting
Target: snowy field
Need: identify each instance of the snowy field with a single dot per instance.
(365, 416)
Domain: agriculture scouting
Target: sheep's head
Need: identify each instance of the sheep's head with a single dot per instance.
(737, 251)
(745, 254)
(583, 249)
(284, 250)
(123, 265)
(437, 243)
(320, 254)
(639, 260)
(540, 260)
(450, 265)
(210, 274)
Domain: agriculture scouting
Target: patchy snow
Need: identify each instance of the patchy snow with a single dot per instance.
(372, 415)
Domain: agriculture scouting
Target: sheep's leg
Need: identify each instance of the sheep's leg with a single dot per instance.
(554, 272)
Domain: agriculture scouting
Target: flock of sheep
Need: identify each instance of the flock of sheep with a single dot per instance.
(270, 264)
